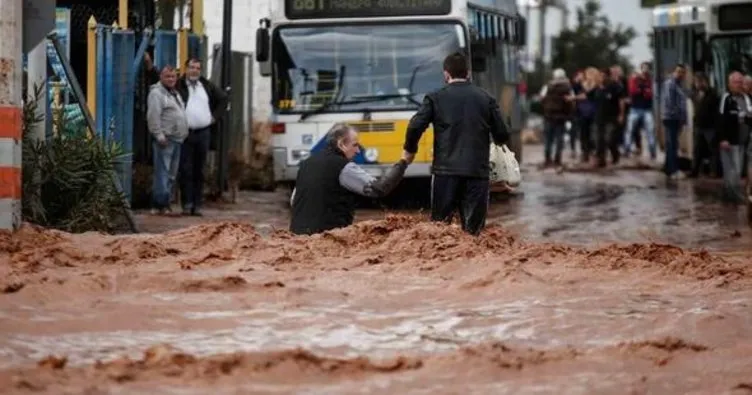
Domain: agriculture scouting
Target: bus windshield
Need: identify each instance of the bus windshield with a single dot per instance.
(359, 67)
(730, 53)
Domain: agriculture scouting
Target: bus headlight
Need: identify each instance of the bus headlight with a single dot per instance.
(371, 154)
(300, 154)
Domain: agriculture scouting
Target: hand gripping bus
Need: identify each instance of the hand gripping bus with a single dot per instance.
(370, 62)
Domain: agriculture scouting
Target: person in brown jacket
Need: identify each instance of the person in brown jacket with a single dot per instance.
(558, 109)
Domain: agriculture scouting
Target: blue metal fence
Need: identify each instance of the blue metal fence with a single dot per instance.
(115, 80)
(118, 62)
(196, 46)
(123, 51)
(165, 48)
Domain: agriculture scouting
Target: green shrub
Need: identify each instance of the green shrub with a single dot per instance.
(68, 179)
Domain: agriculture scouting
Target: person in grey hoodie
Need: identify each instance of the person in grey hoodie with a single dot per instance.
(165, 117)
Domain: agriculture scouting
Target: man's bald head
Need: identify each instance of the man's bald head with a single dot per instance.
(736, 82)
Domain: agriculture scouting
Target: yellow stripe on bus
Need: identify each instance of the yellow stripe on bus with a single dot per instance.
(389, 143)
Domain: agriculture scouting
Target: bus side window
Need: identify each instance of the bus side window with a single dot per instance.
(688, 48)
(672, 39)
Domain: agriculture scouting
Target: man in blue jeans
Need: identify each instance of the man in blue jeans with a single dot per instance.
(674, 117)
(165, 118)
(640, 90)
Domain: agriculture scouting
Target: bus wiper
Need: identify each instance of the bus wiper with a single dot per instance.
(405, 95)
(335, 100)
(373, 98)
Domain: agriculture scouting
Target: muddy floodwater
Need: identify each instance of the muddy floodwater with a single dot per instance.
(610, 283)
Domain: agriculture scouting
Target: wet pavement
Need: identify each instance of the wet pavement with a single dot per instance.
(579, 207)
(541, 303)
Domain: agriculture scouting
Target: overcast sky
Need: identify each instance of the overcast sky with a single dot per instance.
(627, 12)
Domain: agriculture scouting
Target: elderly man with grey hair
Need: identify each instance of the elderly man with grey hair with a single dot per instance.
(328, 183)
(747, 88)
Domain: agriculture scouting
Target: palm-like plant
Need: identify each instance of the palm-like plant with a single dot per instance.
(67, 179)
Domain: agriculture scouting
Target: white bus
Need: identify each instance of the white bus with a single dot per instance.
(679, 36)
(370, 62)
(730, 39)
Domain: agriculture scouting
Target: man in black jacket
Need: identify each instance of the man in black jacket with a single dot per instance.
(747, 87)
(205, 103)
(733, 125)
(464, 119)
(609, 116)
(706, 102)
(328, 182)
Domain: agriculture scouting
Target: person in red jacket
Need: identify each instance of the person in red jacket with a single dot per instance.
(640, 91)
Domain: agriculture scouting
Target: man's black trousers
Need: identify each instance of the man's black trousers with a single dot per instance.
(468, 195)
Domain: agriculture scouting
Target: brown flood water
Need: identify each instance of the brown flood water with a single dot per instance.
(394, 304)
(397, 305)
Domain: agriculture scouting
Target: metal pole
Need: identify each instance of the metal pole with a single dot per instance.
(91, 67)
(197, 17)
(11, 108)
(542, 30)
(226, 84)
(528, 54)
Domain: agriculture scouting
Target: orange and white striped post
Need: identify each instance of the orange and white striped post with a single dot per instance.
(10, 113)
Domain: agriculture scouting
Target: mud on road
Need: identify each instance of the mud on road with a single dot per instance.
(393, 305)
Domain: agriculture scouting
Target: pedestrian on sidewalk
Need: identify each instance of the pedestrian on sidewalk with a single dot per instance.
(640, 89)
(574, 130)
(706, 102)
(735, 121)
(586, 107)
(674, 117)
(165, 117)
(747, 87)
(465, 119)
(617, 75)
(558, 109)
(609, 116)
(205, 103)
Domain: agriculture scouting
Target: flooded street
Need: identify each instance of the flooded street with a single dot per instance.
(586, 284)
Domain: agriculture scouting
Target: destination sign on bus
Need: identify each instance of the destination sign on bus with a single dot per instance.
(735, 17)
(321, 9)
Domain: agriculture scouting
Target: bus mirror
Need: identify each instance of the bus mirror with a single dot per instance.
(262, 41)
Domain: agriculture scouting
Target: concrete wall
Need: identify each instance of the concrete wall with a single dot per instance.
(245, 17)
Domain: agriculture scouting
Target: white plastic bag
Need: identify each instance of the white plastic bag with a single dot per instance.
(504, 166)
